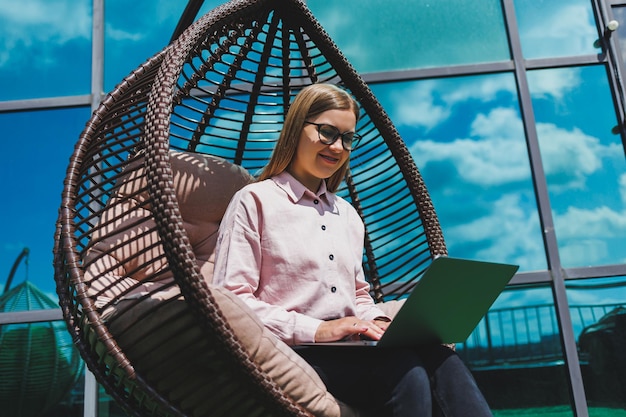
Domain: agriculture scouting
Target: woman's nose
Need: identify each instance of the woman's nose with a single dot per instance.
(337, 146)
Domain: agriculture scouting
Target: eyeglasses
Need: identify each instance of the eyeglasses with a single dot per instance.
(329, 134)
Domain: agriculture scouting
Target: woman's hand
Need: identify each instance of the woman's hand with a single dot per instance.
(350, 327)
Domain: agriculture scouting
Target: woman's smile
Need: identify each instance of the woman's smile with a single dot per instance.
(329, 159)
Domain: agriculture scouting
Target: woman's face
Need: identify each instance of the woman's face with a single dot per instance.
(315, 161)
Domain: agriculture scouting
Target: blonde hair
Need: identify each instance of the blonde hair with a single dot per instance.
(310, 102)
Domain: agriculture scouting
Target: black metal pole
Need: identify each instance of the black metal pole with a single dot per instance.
(19, 258)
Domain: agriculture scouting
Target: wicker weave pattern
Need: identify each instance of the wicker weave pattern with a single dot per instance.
(223, 88)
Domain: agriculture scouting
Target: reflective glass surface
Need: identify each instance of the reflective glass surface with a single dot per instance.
(72, 404)
(466, 136)
(134, 31)
(33, 162)
(516, 357)
(598, 310)
(584, 163)
(39, 366)
(552, 28)
(403, 34)
(45, 48)
(467, 139)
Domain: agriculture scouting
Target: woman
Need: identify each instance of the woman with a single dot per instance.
(292, 250)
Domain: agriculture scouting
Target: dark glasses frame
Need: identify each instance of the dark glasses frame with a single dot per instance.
(328, 134)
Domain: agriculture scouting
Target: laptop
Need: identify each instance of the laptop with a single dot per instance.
(445, 306)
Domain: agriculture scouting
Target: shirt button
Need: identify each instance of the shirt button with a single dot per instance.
(333, 289)
(323, 227)
(316, 201)
(331, 256)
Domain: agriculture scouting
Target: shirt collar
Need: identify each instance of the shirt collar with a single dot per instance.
(296, 190)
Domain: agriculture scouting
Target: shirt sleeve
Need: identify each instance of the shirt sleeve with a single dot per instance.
(238, 266)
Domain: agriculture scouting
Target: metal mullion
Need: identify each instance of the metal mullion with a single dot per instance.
(97, 53)
(477, 69)
(566, 331)
(30, 316)
(602, 271)
(614, 61)
(91, 397)
(44, 103)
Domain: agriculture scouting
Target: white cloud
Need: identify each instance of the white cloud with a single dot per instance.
(600, 222)
(484, 89)
(123, 35)
(570, 156)
(571, 28)
(431, 102)
(417, 107)
(583, 252)
(27, 23)
(586, 235)
(511, 231)
(499, 157)
(496, 155)
(152, 19)
(33, 20)
(428, 103)
(555, 83)
(499, 123)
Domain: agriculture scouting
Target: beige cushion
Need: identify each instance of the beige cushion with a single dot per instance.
(128, 247)
(292, 373)
(140, 329)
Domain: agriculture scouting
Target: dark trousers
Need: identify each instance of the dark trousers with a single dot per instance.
(429, 381)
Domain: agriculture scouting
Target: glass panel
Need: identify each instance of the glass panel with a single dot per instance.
(38, 362)
(134, 32)
(598, 310)
(414, 33)
(584, 163)
(516, 357)
(549, 28)
(72, 404)
(137, 30)
(33, 162)
(45, 49)
(467, 139)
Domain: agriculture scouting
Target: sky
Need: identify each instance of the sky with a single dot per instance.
(45, 49)
(465, 133)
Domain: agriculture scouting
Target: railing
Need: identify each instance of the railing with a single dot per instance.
(524, 336)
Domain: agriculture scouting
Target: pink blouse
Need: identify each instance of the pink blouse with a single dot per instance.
(294, 257)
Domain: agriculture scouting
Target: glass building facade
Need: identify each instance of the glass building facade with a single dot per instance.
(512, 109)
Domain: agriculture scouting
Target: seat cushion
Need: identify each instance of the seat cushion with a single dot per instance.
(166, 344)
